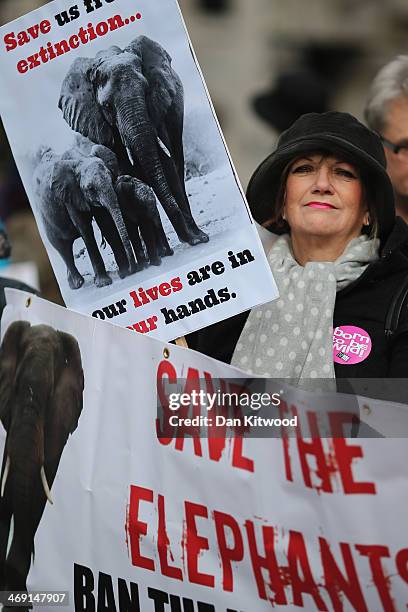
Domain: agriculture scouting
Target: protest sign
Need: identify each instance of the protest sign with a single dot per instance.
(139, 521)
(126, 168)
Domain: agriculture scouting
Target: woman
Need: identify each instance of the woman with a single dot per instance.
(338, 255)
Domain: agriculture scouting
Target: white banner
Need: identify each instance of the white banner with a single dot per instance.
(126, 168)
(181, 524)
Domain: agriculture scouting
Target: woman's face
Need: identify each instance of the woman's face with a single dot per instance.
(324, 197)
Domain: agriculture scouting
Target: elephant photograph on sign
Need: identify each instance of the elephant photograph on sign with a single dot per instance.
(131, 100)
(77, 189)
(41, 398)
(138, 205)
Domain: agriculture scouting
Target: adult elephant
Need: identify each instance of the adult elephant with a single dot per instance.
(132, 101)
(41, 389)
(71, 189)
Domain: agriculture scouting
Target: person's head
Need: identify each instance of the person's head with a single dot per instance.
(386, 113)
(326, 179)
(321, 195)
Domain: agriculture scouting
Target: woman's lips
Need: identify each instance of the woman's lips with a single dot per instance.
(324, 205)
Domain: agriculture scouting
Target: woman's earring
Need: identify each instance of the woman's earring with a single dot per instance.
(283, 215)
(367, 219)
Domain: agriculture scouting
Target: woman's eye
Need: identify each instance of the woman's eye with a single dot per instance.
(346, 173)
(302, 169)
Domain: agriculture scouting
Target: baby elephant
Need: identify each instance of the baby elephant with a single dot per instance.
(73, 189)
(137, 202)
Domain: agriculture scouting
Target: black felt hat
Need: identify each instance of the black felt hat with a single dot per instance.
(340, 134)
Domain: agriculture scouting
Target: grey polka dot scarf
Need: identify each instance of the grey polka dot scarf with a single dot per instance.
(292, 337)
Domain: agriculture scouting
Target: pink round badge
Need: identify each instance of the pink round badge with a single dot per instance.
(351, 344)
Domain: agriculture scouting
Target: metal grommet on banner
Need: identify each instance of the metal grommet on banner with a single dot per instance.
(166, 353)
(28, 302)
(366, 409)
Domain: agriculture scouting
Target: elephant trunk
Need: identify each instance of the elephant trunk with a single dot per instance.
(25, 462)
(5, 475)
(24, 449)
(112, 205)
(141, 141)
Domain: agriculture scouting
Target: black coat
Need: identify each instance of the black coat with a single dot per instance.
(364, 303)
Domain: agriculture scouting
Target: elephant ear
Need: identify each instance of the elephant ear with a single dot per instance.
(9, 360)
(65, 185)
(108, 157)
(68, 392)
(79, 105)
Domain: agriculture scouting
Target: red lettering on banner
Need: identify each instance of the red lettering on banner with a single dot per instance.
(401, 561)
(381, 581)
(163, 544)
(283, 411)
(335, 581)
(195, 543)
(138, 528)
(238, 459)
(297, 557)
(340, 579)
(268, 562)
(192, 384)
(227, 553)
(315, 449)
(345, 453)
(327, 463)
(165, 370)
(216, 445)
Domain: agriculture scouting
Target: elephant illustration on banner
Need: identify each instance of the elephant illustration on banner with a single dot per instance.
(72, 189)
(132, 101)
(41, 395)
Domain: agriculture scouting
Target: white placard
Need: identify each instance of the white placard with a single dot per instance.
(122, 74)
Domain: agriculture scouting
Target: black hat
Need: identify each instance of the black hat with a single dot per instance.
(337, 133)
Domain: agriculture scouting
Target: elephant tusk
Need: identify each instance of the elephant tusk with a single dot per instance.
(45, 485)
(10, 535)
(129, 152)
(163, 147)
(5, 475)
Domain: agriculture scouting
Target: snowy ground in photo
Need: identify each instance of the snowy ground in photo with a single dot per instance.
(217, 209)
